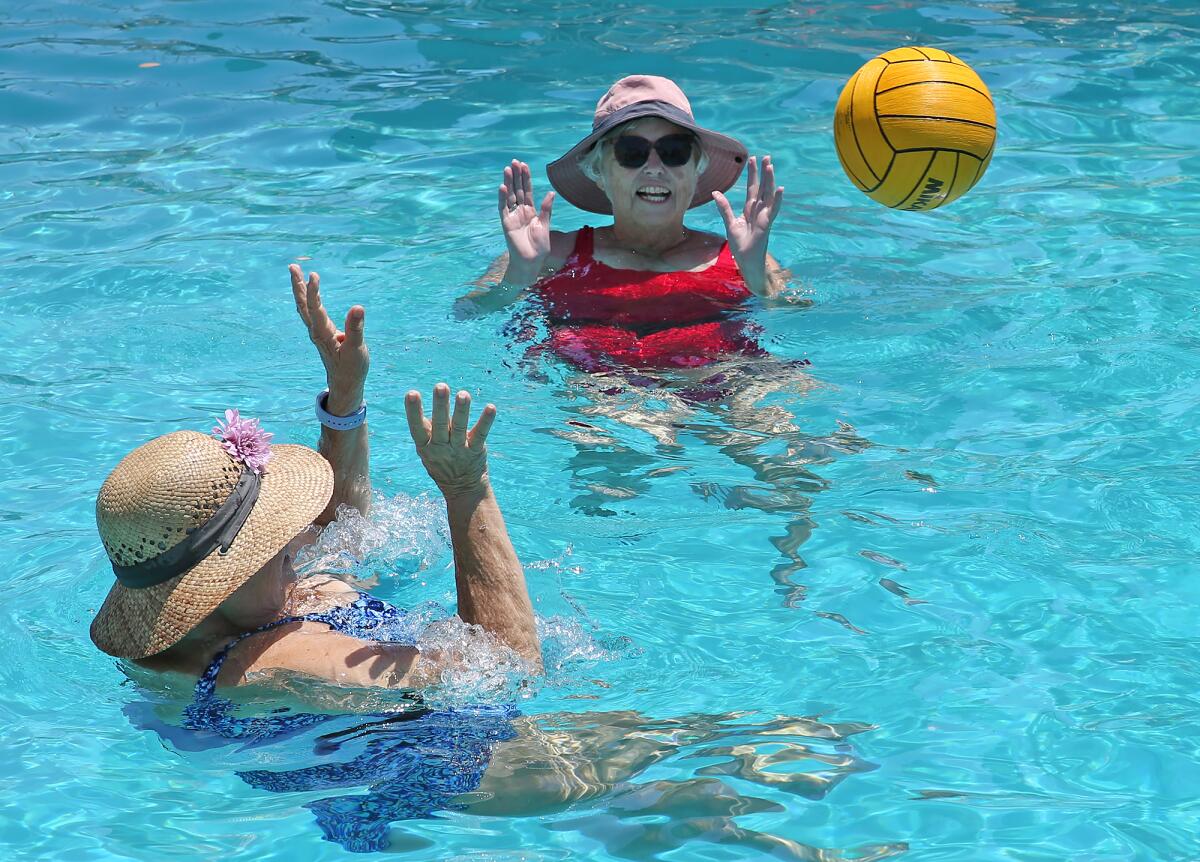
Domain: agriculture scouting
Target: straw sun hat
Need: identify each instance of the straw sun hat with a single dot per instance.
(645, 96)
(186, 519)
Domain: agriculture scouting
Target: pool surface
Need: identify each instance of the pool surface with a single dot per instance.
(933, 598)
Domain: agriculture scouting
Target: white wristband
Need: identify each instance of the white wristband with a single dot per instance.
(339, 423)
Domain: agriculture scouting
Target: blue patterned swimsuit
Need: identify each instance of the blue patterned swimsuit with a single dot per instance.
(414, 763)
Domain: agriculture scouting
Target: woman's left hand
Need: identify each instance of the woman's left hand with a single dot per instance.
(749, 232)
(454, 457)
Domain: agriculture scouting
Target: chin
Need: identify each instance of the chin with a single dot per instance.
(666, 213)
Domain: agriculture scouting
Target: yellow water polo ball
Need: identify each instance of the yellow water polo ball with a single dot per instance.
(915, 128)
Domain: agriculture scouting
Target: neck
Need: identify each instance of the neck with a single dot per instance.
(192, 653)
(204, 639)
(649, 241)
(209, 635)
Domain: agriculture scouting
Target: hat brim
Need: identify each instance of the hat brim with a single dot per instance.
(726, 158)
(133, 624)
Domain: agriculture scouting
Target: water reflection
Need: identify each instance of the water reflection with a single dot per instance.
(725, 406)
(562, 758)
(559, 762)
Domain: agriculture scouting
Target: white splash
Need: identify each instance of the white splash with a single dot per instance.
(476, 666)
(403, 536)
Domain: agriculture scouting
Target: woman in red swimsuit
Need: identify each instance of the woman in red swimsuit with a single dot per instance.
(647, 304)
(645, 292)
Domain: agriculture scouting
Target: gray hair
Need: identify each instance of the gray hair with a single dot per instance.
(590, 163)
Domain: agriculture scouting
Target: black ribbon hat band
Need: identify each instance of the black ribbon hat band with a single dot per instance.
(219, 531)
(648, 108)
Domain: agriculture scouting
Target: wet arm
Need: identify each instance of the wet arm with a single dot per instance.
(501, 285)
(767, 281)
(349, 453)
(311, 649)
(506, 281)
(346, 360)
(487, 573)
(488, 576)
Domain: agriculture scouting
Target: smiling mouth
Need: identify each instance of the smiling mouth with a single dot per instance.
(654, 194)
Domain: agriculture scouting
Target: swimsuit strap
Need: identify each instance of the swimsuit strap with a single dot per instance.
(579, 258)
(585, 245)
(726, 263)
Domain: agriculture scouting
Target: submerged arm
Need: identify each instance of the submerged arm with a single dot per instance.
(502, 284)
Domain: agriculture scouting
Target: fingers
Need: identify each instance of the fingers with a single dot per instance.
(517, 189)
(521, 185)
(298, 292)
(547, 205)
(767, 186)
(777, 204)
(311, 309)
(509, 189)
(724, 209)
(479, 433)
(440, 432)
(356, 319)
(520, 181)
(320, 327)
(461, 419)
(415, 412)
(442, 428)
(526, 196)
(751, 179)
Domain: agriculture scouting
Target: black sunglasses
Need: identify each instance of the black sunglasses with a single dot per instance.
(674, 150)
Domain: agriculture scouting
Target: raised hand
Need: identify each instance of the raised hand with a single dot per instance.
(526, 229)
(344, 353)
(749, 232)
(454, 457)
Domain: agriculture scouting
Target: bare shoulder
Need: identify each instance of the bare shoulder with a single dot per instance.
(328, 585)
(313, 649)
(319, 593)
(703, 250)
(561, 246)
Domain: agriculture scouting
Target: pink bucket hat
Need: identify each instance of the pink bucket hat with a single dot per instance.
(645, 96)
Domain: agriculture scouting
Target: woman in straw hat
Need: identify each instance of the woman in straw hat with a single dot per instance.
(201, 531)
(645, 291)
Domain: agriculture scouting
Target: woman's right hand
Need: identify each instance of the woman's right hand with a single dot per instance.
(526, 230)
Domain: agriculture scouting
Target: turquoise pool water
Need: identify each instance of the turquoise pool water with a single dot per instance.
(936, 601)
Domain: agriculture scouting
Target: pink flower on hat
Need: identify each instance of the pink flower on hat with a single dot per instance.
(244, 440)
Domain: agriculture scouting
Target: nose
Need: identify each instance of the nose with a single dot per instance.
(654, 163)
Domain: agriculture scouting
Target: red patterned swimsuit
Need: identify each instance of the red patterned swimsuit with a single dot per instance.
(603, 318)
